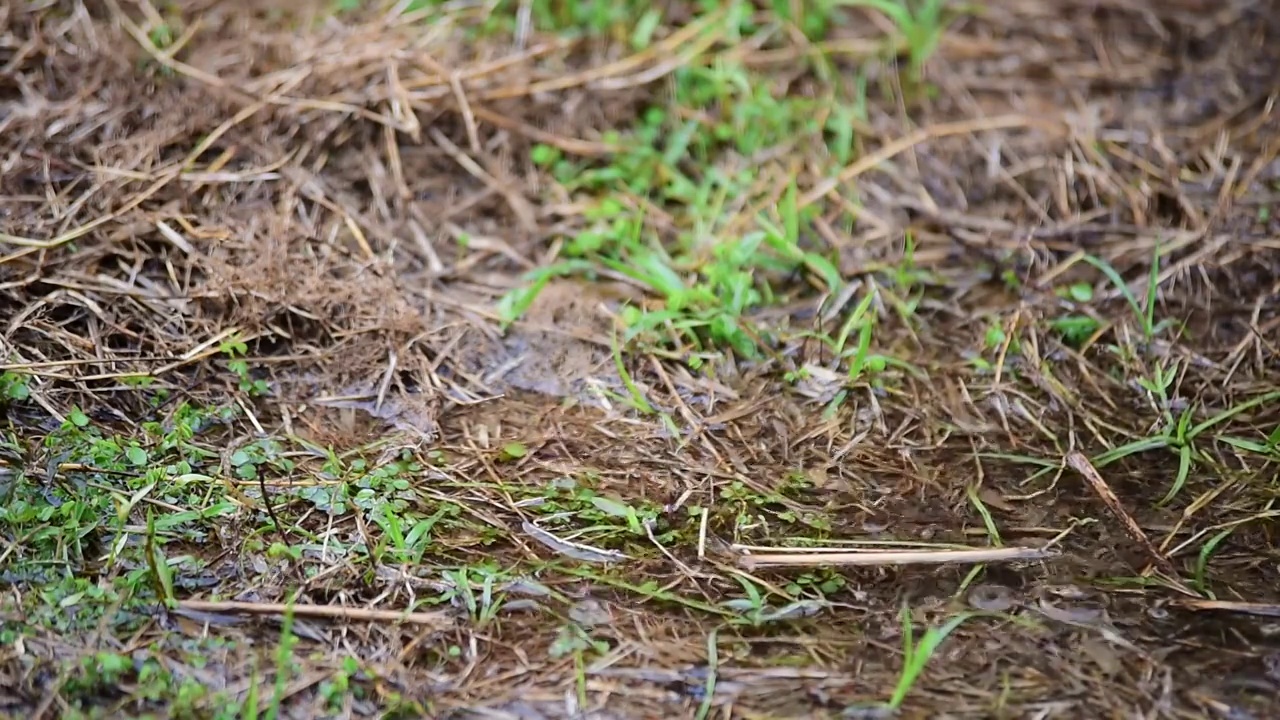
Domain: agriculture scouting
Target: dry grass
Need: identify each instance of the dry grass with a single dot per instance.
(266, 254)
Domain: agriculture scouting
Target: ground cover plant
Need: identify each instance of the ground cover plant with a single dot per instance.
(528, 359)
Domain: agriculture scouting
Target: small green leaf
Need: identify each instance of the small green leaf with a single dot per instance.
(543, 155)
(1202, 559)
(1247, 445)
(642, 36)
(78, 418)
(611, 507)
(1081, 292)
(136, 455)
(514, 451)
(161, 573)
(15, 387)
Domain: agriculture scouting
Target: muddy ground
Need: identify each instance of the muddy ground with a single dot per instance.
(350, 197)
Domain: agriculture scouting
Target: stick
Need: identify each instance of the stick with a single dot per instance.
(1081, 464)
(1247, 608)
(317, 611)
(918, 557)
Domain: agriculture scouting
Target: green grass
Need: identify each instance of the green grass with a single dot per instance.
(714, 260)
(701, 206)
(137, 508)
(1177, 431)
(1176, 423)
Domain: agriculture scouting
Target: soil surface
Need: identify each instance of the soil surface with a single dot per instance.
(351, 198)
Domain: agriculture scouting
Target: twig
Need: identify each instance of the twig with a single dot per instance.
(336, 612)
(878, 558)
(1078, 462)
(1246, 608)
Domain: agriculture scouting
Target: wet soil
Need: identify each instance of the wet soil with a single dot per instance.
(328, 247)
(560, 348)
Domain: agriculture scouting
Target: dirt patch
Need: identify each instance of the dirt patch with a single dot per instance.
(306, 224)
(561, 348)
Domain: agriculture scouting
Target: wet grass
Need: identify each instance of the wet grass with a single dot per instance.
(700, 205)
(820, 363)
